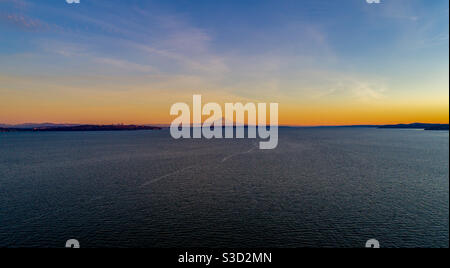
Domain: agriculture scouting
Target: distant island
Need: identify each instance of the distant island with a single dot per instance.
(56, 128)
(419, 126)
(423, 126)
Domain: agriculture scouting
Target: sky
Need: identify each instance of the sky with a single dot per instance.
(326, 62)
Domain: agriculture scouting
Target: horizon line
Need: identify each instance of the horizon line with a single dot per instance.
(234, 125)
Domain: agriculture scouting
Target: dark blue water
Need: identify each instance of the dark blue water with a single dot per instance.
(319, 188)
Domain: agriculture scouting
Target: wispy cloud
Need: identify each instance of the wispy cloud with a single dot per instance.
(24, 22)
(15, 3)
(125, 65)
(355, 90)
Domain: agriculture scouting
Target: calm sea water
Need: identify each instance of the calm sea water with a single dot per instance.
(319, 188)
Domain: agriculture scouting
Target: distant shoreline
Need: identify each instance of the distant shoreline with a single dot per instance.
(76, 128)
(80, 128)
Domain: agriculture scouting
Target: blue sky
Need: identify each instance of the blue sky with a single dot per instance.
(328, 53)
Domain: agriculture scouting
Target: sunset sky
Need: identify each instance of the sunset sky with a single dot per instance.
(326, 62)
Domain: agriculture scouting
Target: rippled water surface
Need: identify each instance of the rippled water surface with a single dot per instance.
(319, 188)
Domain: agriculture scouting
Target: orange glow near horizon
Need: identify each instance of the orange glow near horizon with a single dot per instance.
(130, 109)
(56, 100)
